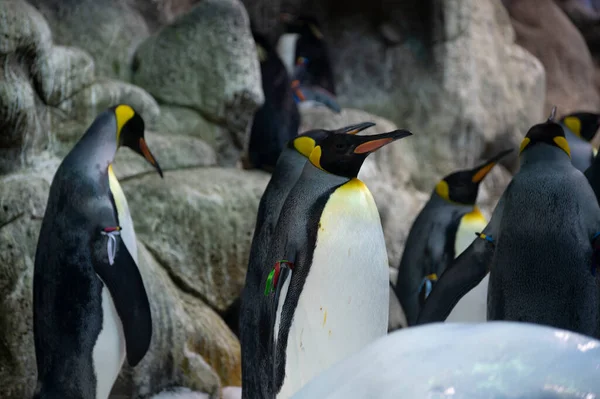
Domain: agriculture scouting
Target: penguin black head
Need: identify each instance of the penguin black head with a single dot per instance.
(130, 133)
(549, 132)
(583, 124)
(304, 25)
(462, 187)
(344, 154)
(307, 141)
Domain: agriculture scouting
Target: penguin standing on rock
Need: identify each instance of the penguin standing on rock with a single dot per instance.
(303, 39)
(441, 231)
(90, 307)
(544, 231)
(330, 274)
(580, 128)
(287, 171)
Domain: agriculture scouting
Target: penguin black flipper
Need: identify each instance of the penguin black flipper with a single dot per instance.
(126, 287)
(466, 273)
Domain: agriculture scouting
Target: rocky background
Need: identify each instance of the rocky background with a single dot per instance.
(468, 77)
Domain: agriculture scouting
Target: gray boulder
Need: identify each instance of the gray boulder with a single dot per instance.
(198, 224)
(109, 30)
(205, 60)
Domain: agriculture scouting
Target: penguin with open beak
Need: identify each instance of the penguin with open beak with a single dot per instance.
(287, 172)
(328, 291)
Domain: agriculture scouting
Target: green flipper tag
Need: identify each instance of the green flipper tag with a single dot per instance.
(269, 286)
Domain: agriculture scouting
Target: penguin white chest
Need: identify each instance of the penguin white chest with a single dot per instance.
(286, 49)
(343, 305)
(109, 351)
(473, 306)
(471, 223)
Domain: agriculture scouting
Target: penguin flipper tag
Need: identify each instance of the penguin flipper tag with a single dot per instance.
(466, 272)
(126, 287)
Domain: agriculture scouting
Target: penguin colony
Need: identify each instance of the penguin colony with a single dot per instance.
(317, 286)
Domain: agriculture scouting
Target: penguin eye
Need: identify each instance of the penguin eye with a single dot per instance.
(340, 147)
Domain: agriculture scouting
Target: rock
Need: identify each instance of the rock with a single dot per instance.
(158, 13)
(169, 361)
(198, 224)
(205, 60)
(86, 104)
(186, 121)
(109, 30)
(544, 30)
(171, 152)
(457, 79)
(181, 393)
(22, 202)
(23, 28)
(60, 72)
(23, 134)
(214, 341)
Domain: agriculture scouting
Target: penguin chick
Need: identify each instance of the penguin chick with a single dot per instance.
(328, 292)
(90, 307)
(287, 171)
(441, 231)
(580, 128)
(303, 38)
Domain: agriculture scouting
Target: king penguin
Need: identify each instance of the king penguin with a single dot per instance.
(542, 266)
(277, 121)
(330, 272)
(580, 128)
(90, 307)
(543, 232)
(287, 171)
(441, 231)
(303, 38)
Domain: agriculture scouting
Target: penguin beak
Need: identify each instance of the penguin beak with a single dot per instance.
(480, 172)
(354, 129)
(145, 151)
(374, 142)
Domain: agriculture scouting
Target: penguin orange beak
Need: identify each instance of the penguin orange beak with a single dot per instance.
(480, 172)
(354, 129)
(149, 157)
(374, 142)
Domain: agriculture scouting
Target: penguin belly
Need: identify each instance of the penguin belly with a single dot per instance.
(286, 48)
(343, 305)
(109, 350)
(125, 221)
(471, 223)
(473, 306)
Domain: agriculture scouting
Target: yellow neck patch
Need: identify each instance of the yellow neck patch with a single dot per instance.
(304, 145)
(315, 157)
(443, 190)
(563, 144)
(474, 216)
(524, 144)
(123, 114)
(574, 125)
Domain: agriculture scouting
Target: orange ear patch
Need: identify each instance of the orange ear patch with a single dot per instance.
(371, 146)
